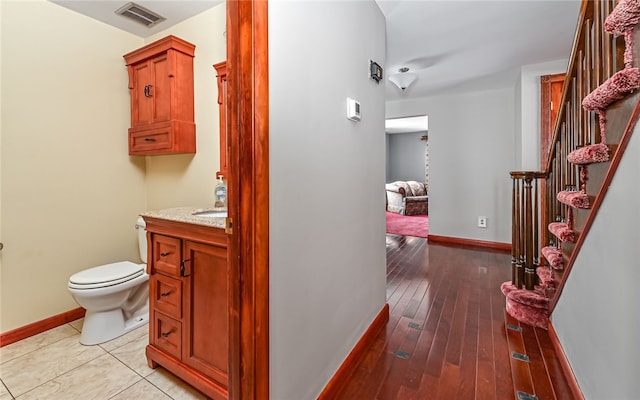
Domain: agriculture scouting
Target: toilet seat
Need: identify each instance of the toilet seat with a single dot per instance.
(106, 275)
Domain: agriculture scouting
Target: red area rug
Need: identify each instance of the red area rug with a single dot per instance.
(408, 225)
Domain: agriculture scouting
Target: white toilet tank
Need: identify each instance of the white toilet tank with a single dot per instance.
(142, 238)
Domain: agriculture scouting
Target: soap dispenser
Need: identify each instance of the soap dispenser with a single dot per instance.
(221, 193)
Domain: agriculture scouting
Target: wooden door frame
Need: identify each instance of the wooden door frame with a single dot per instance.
(547, 128)
(547, 122)
(248, 185)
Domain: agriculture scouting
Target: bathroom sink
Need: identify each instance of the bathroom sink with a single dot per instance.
(211, 214)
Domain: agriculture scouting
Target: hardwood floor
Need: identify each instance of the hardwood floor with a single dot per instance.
(448, 336)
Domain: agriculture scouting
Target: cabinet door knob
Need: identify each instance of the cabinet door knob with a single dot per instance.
(166, 334)
(147, 91)
(164, 254)
(165, 294)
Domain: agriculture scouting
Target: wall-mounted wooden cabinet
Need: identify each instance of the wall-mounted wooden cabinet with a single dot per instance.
(189, 300)
(221, 70)
(162, 106)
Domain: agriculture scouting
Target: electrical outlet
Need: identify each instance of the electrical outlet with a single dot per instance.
(482, 222)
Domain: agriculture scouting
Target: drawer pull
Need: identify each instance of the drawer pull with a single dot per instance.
(147, 91)
(164, 254)
(149, 139)
(183, 268)
(165, 294)
(166, 334)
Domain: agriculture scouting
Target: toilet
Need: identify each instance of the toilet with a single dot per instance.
(116, 296)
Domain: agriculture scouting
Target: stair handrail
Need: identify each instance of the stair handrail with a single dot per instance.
(595, 57)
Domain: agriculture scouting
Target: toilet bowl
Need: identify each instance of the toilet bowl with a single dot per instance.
(116, 296)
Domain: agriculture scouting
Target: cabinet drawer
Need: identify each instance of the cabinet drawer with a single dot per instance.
(150, 140)
(166, 255)
(168, 334)
(166, 295)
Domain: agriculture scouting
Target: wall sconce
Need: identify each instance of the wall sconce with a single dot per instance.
(403, 79)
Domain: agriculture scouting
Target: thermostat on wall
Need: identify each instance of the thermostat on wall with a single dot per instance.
(353, 109)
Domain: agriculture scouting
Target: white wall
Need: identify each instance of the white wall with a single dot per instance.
(327, 227)
(528, 150)
(597, 318)
(471, 142)
(406, 157)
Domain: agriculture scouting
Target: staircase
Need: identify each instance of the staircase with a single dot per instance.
(553, 210)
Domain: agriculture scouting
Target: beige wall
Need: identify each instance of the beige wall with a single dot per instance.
(70, 192)
(188, 180)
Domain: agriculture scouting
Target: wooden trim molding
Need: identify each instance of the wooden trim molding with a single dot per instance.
(550, 101)
(350, 364)
(564, 364)
(26, 331)
(248, 160)
(498, 246)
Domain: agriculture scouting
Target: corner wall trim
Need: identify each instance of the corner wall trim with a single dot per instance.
(499, 246)
(564, 364)
(350, 363)
(26, 331)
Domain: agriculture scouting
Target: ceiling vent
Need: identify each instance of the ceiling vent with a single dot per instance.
(140, 14)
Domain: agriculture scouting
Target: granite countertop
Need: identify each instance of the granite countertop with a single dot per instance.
(185, 214)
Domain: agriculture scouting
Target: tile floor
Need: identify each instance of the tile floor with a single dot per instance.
(54, 365)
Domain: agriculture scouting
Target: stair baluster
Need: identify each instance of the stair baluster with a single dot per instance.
(601, 64)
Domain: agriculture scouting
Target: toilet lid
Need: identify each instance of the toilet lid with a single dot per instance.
(107, 275)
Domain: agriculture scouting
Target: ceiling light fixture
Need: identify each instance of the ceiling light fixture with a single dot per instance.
(403, 79)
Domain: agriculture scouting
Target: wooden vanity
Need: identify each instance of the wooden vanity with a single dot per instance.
(189, 298)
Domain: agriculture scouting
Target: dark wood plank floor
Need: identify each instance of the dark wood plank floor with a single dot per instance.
(448, 336)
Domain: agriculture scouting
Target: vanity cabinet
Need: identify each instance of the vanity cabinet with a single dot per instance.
(189, 303)
(162, 105)
(221, 76)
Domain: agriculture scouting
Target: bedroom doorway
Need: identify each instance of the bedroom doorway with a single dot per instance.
(407, 176)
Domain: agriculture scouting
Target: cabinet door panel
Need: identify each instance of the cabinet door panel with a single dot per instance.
(141, 105)
(162, 89)
(206, 337)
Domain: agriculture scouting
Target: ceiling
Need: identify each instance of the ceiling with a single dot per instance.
(451, 45)
(174, 11)
(470, 45)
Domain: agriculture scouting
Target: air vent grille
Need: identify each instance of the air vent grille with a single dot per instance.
(140, 14)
